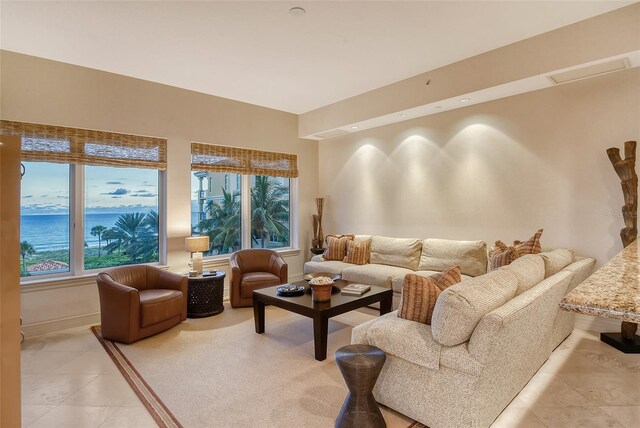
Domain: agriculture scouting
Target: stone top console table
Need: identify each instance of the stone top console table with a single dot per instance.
(613, 291)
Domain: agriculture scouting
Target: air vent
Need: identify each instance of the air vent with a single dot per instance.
(590, 71)
(331, 134)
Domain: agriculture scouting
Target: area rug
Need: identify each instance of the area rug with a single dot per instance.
(217, 372)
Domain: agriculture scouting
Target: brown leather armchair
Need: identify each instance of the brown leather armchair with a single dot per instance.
(252, 269)
(140, 301)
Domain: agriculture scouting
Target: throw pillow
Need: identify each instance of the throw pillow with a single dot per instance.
(502, 255)
(420, 293)
(337, 246)
(358, 252)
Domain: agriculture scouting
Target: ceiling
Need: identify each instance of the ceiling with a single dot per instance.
(258, 53)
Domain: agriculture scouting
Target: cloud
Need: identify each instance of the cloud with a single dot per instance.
(145, 195)
(27, 196)
(116, 197)
(114, 182)
(118, 192)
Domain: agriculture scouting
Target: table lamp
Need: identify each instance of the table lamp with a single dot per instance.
(195, 245)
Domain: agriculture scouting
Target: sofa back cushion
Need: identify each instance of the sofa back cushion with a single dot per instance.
(401, 252)
(461, 307)
(529, 269)
(556, 260)
(441, 254)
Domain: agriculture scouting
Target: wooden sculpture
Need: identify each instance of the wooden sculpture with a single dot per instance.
(318, 237)
(626, 170)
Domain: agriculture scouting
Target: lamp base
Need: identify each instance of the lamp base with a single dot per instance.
(196, 259)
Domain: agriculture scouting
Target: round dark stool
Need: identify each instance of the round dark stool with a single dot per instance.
(360, 366)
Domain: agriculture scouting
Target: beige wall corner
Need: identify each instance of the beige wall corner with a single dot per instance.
(79, 97)
(9, 282)
(497, 170)
(597, 38)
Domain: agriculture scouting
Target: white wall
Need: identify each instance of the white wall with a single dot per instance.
(42, 91)
(498, 170)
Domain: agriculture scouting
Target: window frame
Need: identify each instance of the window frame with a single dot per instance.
(76, 229)
(245, 215)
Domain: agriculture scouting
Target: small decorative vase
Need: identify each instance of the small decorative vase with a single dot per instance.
(321, 293)
(321, 287)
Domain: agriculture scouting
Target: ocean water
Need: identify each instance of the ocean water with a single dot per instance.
(51, 232)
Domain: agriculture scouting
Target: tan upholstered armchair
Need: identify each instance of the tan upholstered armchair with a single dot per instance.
(252, 269)
(140, 301)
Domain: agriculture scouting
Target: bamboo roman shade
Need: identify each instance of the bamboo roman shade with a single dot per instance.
(46, 143)
(213, 158)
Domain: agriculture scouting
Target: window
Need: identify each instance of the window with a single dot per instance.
(216, 211)
(270, 220)
(120, 216)
(242, 198)
(44, 219)
(90, 199)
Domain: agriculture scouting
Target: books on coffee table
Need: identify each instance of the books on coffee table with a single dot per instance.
(355, 289)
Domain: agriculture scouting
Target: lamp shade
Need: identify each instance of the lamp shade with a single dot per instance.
(194, 244)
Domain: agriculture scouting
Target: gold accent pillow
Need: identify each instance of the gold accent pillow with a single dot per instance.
(502, 255)
(337, 246)
(419, 294)
(358, 252)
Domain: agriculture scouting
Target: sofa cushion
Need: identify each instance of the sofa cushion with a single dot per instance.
(158, 305)
(358, 252)
(401, 252)
(529, 269)
(405, 339)
(336, 246)
(441, 254)
(556, 260)
(460, 307)
(502, 255)
(331, 266)
(419, 294)
(373, 274)
(398, 281)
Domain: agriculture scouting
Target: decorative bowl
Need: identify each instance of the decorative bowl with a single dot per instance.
(321, 287)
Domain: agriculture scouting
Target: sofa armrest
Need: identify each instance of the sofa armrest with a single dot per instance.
(279, 267)
(119, 309)
(318, 258)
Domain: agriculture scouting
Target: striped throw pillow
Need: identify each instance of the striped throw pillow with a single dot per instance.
(358, 252)
(337, 246)
(502, 255)
(530, 246)
(419, 294)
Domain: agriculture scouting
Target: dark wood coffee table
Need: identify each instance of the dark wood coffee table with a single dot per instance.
(319, 312)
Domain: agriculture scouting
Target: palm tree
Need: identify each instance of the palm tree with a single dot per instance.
(98, 231)
(26, 249)
(223, 224)
(149, 242)
(128, 230)
(269, 210)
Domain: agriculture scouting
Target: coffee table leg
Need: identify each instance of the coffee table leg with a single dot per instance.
(385, 304)
(258, 315)
(320, 332)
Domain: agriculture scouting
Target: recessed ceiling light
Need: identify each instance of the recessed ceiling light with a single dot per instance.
(465, 100)
(403, 114)
(297, 11)
(354, 127)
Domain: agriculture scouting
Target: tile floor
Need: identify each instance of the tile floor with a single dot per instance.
(69, 381)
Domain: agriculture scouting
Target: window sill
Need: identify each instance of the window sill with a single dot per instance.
(52, 283)
(217, 261)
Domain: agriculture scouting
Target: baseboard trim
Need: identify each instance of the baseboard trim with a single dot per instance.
(44, 327)
(599, 324)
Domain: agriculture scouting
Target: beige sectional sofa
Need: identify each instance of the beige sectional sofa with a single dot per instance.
(392, 258)
(489, 334)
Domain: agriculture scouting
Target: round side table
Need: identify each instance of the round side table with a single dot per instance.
(360, 366)
(205, 295)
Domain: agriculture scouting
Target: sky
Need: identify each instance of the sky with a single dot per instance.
(45, 189)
